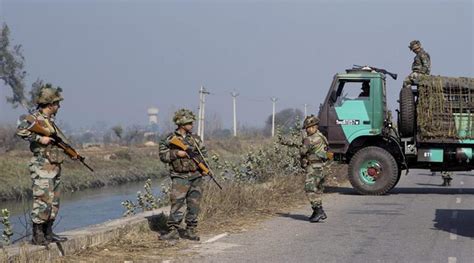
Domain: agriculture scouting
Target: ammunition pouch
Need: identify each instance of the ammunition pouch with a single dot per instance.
(54, 154)
(183, 165)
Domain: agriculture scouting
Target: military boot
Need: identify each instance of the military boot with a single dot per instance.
(191, 234)
(449, 181)
(318, 214)
(446, 182)
(172, 235)
(38, 235)
(49, 235)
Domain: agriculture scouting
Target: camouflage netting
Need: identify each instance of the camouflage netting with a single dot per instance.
(445, 108)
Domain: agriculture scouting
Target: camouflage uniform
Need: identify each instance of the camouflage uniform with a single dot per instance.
(45, 166)
(447, 177)
(45, 170)
(186, 188)
(421, 65)
(313, 154)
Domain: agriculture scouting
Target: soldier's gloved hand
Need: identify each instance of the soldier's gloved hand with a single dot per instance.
(46, 140)
(191, 149)
(182, 154)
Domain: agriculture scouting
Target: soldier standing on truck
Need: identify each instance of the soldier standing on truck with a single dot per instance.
(45, 166)
(421, 64)
(186, 188)
(313, 152)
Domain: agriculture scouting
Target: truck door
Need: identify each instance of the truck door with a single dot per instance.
(348, 116)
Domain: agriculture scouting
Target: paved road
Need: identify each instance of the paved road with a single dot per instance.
(418, 222)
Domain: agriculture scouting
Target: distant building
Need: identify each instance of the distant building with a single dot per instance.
(151, 133)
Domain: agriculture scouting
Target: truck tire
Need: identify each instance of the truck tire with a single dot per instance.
(407, 112)
(373, 171)
(398, 178)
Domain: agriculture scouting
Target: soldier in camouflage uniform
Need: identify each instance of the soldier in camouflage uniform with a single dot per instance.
(421, 64)
(447, 177)
(186, 188)
(313, 155)
(45, 166)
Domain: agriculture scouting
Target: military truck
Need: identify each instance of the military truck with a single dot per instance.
(434, 131)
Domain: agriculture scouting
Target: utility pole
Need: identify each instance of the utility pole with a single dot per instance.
(273, 115)
(234, 96)
(203, 92)
(200, 111)
(305, 110)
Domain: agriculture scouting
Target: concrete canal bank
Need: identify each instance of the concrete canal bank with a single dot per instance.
(82, 238)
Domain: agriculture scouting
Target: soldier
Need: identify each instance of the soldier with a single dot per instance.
(421, 64)
(447, 177)
(186, 188)
(45, 166)
(365, 89)
(313, 155)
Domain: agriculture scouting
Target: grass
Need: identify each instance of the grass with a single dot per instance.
(240, 206)
(112, 166)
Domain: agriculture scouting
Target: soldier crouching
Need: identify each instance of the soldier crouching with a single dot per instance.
(186, 188)
(313, 155)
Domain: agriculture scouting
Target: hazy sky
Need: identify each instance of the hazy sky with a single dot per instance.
(114, 59)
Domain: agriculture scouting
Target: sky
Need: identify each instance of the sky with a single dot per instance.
(114, 59)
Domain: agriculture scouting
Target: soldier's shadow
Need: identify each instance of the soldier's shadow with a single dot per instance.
(157, 223)
(294, 216)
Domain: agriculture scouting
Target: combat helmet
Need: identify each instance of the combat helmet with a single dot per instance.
(414, 44)
(183, 117)
(310, 120)
(48, 94)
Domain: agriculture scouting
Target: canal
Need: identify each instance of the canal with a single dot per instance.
(81, 208)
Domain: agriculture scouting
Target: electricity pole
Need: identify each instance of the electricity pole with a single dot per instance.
(305, 110)
(234, 96)
(202, 92)
(273, 115)
(200, 110)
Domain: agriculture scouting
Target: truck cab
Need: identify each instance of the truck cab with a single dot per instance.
(355, 120)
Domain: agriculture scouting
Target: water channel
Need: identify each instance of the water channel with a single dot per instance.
(81, 208)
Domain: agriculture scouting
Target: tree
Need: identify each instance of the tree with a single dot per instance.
(12, 72)
(12, 69)
(118, 131)
(284, 119)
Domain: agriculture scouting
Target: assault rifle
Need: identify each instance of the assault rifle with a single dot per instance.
(380, 70)
(197, 157)
(57, 140)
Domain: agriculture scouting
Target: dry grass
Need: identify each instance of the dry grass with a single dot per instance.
(129, 164)
(238, 207)
(112, 166)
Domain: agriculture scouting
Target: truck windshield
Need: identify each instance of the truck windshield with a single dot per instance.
(352, 90)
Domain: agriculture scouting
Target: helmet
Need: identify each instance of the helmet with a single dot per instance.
(183, 116)
(47, 94)
(414, 44)
(310, 120)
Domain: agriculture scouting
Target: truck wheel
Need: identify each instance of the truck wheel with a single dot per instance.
(398, 179)
(373, 171)
(407, 112)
